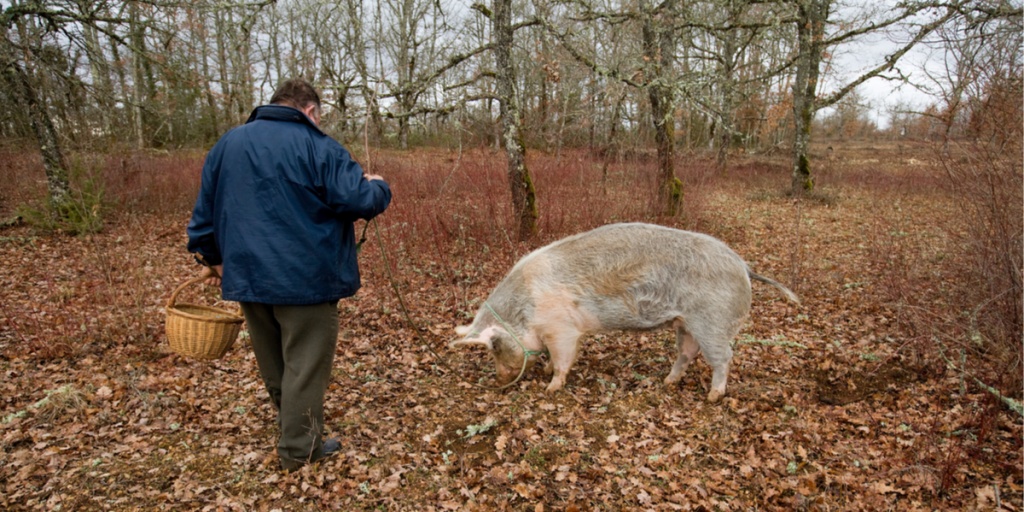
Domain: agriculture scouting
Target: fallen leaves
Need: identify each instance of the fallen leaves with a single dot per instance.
(97, 414)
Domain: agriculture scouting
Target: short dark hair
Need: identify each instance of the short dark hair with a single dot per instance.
(296, 93)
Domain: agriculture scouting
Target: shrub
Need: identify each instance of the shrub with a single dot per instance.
(989, 182)
(81, 212)
(987, 174)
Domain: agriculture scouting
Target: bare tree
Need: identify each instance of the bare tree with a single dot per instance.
(727, 32)
(659, 43)
(355, 42)
(198, 34)
(654, 75)
(524, 200)
(42, 126)
(25, 29)
(405, 42)
(813, 18)
(971, 52)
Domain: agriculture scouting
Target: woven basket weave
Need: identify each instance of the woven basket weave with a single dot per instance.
(201, 332)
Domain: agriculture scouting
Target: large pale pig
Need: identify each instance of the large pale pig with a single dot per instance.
(617, 277)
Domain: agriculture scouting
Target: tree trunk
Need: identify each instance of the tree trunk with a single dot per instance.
(227, 89)
(138, 41)
(524, 201)
(403, 133)
(244, 80)
(104, 88)
(405, 66)
(46, 135)
(123, 93)
(658, 43)
(810, 35)
(213, 128)
(727, 124)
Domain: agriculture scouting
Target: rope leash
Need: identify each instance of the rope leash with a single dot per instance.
(415, 328)
(513, 334)
(362, 237)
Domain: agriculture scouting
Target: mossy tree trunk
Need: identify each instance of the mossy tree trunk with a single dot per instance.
(811, 46)
(54, 163)
(658, 44)
(524, 199)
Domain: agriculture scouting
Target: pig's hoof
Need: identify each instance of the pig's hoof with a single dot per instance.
(673, 379)
(715, 395)
(554, 386)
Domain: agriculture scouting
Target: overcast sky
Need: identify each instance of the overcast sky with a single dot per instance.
(853, 58)
(881, 95)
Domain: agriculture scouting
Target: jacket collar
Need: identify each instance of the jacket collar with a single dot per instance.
(282, 113)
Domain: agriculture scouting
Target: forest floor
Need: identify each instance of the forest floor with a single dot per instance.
(840, 403)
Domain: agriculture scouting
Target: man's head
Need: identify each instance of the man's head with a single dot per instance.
(298, 93)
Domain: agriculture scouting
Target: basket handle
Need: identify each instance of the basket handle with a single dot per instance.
(174, 294)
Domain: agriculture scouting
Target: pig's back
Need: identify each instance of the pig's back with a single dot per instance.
(640, 276)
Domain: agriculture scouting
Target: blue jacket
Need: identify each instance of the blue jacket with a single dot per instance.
(276, 206)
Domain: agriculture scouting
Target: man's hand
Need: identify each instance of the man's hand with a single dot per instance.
(212, 274)
(374, 177)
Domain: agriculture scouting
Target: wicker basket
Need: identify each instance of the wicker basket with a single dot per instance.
(201, 332)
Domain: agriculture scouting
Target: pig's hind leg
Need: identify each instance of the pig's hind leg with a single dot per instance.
(714, 343)
(686, 351)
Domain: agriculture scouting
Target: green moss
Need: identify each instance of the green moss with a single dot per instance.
(673, 196)
(531, 194)
(803, 182)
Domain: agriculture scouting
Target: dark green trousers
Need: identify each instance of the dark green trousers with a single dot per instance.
(294, 348)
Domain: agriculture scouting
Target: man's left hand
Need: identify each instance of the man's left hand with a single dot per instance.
(212, 274)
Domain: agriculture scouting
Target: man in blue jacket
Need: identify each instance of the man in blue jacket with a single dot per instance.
(274, 224)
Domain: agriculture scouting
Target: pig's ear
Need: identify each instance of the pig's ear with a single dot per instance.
(485, 337)
(471, 341)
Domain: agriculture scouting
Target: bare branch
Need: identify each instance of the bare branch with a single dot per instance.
(890, 60)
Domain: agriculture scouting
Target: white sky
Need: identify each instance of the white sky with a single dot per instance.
(881, 95)
(853, 58)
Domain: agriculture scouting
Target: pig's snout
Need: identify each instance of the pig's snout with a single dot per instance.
(506, 376)
(508, 371)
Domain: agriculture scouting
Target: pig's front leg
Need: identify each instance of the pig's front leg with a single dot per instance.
(563, 348)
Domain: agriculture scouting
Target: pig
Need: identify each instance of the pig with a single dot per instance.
(618, 277)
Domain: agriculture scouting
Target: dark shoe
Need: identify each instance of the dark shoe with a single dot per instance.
(289, 464)
(330, 447)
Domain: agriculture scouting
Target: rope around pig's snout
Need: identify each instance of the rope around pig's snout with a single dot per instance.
(415, 328)
(526, 352)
